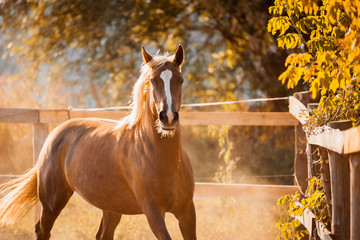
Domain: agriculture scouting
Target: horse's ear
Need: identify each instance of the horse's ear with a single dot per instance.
(179, 56)
(147, 57)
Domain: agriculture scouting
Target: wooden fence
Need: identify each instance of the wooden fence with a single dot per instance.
(341, 146)
(40, 120)
(338, 151)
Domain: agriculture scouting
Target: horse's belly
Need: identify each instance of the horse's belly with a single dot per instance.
(121, 202)
(103, 188)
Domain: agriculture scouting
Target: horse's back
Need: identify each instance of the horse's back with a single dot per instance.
(66, 136)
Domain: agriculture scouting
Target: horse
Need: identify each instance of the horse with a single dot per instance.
(136, 165)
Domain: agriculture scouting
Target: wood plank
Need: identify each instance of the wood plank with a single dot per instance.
(306, 218)
(238, 118)
(355, 196)
(325, 176)
(18, 115)
(250, 191)
(187, 118)
(298, 110)
(323, 232)
(40, 133)
(332, 139)
(297, 107)
(53, 116)
(340, 195)
(230, 190)
(340, 180)
(115, 115)
(352, 140)
(207, 118)
(300, 160)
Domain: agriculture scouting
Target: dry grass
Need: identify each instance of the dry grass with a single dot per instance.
(216, 219)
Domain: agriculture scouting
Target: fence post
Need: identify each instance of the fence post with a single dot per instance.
(313, 169)
(300, 161)
(355, 196)
(40, 133)
(340, 188)
(325, 174)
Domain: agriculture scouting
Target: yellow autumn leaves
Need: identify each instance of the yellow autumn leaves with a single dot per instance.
(327, 36)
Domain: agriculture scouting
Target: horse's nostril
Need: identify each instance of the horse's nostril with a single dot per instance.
(176, 117)
(163, 117)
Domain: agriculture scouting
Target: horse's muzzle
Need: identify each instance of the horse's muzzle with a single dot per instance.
(168, 119)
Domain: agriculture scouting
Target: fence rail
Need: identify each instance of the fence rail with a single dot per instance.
(41, 118)
(33, 116)
(244, 191)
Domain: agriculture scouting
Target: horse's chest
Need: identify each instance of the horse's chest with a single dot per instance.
(167, 187)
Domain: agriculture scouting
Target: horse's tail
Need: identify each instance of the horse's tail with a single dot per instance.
(17, 196)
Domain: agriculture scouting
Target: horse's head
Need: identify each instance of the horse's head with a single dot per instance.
(165, 91)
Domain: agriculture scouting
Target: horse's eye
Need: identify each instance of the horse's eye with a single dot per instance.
(181, 81)
(152, 80)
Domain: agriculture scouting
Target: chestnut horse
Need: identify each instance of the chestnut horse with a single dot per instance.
(133, 166)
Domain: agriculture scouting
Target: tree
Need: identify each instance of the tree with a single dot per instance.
(328, 34)
(97, 44)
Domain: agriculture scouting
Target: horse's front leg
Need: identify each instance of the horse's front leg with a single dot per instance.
(156, 220)
(108, 224)
(187, 222)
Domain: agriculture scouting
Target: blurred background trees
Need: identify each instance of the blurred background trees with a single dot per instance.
(86, 53)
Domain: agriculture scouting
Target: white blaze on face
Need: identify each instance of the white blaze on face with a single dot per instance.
(166, 76)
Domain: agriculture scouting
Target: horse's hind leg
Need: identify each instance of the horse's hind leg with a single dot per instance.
(51, 209)
(109, 222)
(48, 217)
(54, 193)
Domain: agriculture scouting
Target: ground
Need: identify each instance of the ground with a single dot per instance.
(217, 218)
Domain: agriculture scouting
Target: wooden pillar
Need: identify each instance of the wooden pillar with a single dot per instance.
(300, 161)
(340, 188)
(40, 133)
(355, 196)
(312, 156)
(325, 174)
(311, 150)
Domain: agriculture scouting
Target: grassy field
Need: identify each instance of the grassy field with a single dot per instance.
(226, 219)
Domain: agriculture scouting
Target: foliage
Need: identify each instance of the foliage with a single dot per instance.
(327, 33)
(94, 46)
(289, 230)
(314, 201)
(224, 174)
